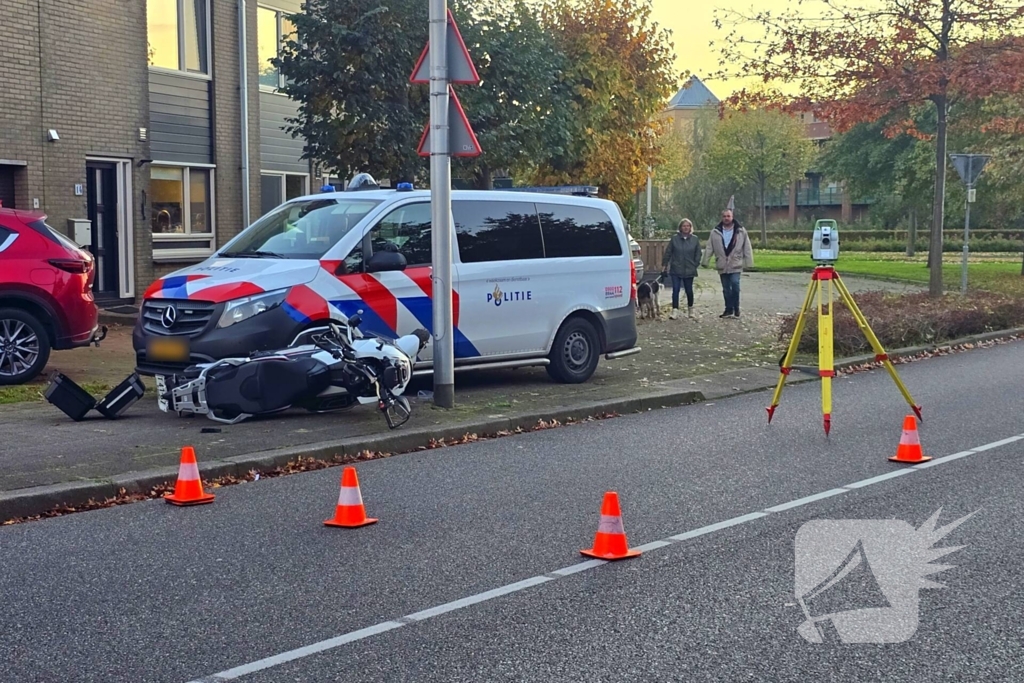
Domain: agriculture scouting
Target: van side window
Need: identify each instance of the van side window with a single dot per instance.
(577, 231)
(408, 228)
(497, 231)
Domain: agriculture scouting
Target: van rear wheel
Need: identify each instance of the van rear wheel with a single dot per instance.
(575, 353)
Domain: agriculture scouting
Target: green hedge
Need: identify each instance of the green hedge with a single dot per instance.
(880, 241)
(949, 244)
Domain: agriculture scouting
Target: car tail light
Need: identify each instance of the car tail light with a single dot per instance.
(632, 280)
(71, 265)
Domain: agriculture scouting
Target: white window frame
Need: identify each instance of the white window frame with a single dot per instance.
(125, 223)
(278, 19)
(172, 254)
(284, 182)
(182, 70)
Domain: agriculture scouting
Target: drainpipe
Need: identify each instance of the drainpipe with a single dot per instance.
(243, 80)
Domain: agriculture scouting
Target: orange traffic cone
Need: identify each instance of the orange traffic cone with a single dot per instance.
(350, 512)
(909, 449)
(189, 489)
(610, 540)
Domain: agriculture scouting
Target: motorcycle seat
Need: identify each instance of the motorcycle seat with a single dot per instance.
(264, 386)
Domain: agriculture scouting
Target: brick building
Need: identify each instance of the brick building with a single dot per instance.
(123, 122)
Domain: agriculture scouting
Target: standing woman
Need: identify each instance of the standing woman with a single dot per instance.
(681, 260)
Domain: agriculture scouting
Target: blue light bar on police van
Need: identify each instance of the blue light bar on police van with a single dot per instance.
(404, 187)
(578, 190)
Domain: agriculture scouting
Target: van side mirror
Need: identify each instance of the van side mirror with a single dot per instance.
(385, 261)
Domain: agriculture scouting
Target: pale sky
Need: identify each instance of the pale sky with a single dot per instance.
(692, 26)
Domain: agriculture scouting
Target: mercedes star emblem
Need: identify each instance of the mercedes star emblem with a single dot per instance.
(169, 317)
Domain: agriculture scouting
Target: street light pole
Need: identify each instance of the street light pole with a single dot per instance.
(440, 209)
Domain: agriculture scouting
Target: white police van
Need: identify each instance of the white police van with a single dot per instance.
(538, 279)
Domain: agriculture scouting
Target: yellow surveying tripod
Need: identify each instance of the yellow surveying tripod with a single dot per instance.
(824, 277)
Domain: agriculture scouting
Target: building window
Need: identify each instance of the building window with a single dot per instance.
(182, 211)
(277, 188)
(178, 35)
(273, 29)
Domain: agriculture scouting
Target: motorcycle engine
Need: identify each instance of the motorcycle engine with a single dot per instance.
(354, 380)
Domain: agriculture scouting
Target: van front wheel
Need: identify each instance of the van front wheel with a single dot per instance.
(575, 352)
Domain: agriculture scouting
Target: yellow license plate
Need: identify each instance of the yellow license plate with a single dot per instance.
(170, 349)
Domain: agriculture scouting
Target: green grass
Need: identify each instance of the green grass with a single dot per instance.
(34, 392)
(997, 275)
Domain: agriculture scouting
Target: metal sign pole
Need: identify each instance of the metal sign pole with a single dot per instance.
(967, 232)
(440, 209)
(969, 167)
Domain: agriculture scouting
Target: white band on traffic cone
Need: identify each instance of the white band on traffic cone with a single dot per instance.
(910, 438)
(349, 496)
(188, 471)
(610, 525)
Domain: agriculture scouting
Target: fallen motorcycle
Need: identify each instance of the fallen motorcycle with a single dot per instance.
(337, 369)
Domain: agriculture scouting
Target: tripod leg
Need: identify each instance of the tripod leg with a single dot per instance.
(825, 349)
(880, 354)
(787, 360)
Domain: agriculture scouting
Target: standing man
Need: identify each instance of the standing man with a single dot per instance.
(681, 260)
(732, 251)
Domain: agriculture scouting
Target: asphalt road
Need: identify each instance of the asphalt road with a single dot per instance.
(149, 592)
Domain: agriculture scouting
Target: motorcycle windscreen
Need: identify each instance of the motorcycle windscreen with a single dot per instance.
(264, 386)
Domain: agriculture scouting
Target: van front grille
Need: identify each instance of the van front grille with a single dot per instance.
(189, 318)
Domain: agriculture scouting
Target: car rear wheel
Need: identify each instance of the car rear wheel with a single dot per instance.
(24, 346)
(575, 353)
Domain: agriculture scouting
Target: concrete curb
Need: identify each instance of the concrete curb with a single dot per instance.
(110, 318)
(39, 499)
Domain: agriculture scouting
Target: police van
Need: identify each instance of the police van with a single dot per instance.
(538, 279)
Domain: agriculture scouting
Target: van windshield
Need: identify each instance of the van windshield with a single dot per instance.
(300, 230)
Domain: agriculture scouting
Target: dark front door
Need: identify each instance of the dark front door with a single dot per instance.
(7, 186)
(102, 196)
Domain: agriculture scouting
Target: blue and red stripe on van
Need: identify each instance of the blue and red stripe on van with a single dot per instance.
(378, 307)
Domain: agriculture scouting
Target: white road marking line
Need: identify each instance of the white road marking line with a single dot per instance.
(479, 597)
(306, 651)
(882, 477)
(581, 567)
(653, 545)
(805, 501)
(997, 444)
(383, 627)
(711, 528)
(938, 461)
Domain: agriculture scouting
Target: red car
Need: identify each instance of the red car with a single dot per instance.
(45, 295)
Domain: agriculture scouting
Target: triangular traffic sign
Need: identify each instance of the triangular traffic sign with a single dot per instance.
(462, 140)
(969, 166)
(460, 64)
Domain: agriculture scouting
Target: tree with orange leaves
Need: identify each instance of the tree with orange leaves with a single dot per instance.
(619, 76)
(853, 63)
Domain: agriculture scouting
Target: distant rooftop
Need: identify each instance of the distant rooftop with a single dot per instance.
(693, 95)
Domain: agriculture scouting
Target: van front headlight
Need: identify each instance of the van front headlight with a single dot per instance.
(242, 309)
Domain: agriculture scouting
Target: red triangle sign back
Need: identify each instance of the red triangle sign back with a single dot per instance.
(460, 65)
(462, 140)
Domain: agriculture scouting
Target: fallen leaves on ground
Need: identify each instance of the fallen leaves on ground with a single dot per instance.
(300, 464)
